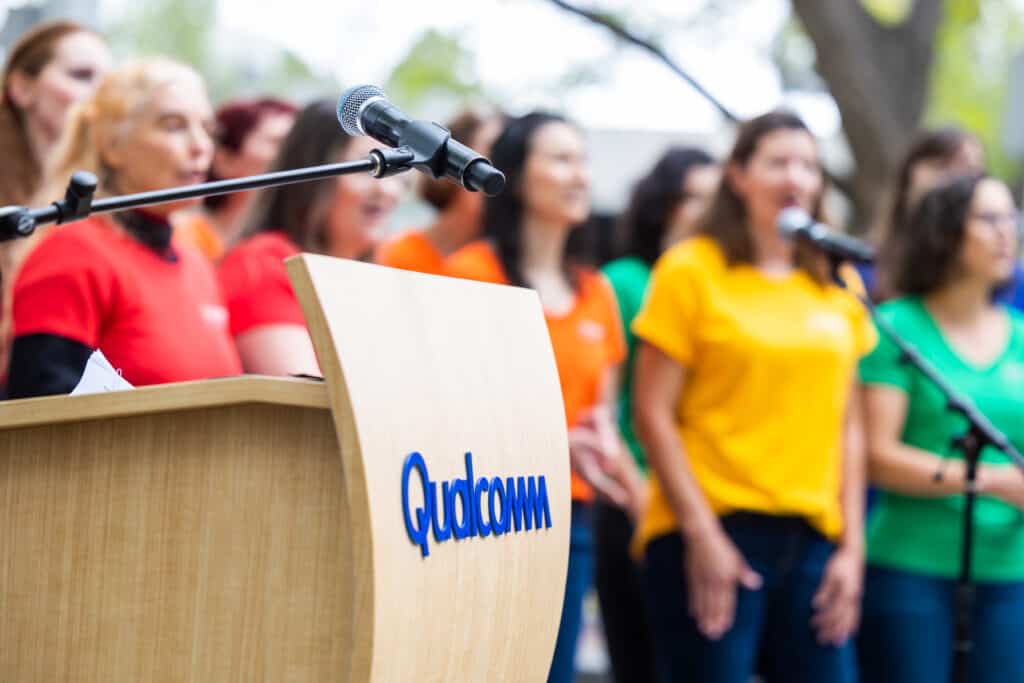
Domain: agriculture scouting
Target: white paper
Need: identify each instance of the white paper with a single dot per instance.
(100, 376)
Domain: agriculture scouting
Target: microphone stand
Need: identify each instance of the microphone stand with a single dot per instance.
(19, 222)
(980, 433)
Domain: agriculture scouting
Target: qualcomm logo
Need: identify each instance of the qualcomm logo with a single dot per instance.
(513, 503)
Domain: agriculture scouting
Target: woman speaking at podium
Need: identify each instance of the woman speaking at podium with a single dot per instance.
(336, 216)
(533, 240)
(743, 398)
(116, 283)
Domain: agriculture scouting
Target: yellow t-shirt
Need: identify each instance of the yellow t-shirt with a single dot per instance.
(770, 364)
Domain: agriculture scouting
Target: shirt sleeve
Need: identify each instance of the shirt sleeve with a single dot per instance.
(670, 312)
(616, 336)
(883, 365)
(257, 291)
(45, 364)
(628, 296)
(63, 289)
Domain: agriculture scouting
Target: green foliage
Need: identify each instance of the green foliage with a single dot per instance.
(889, 12)
(975, 45)
(437, 65)
(187, 30)
(182, 29)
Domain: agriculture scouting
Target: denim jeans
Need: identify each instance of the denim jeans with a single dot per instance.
(790, 557)
(577, 582)
(907, 630)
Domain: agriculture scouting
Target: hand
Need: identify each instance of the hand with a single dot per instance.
(714, 568)
(837, 602)
(1003, 482)
(589, 461)
(625, 471)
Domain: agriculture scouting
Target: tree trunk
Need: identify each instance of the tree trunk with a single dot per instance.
(879, 77)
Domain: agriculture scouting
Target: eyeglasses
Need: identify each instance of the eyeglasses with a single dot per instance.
(995, 218)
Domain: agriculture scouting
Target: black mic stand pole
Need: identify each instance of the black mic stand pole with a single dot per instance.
(980, 433)
(19, 221)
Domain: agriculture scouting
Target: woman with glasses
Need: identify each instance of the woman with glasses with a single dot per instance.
(935, 156)
(963, 239)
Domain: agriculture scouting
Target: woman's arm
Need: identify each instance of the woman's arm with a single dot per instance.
(616, 460)
(714, 566)
(837, 601)
(284, 349)
(895, 466)
(45, 364)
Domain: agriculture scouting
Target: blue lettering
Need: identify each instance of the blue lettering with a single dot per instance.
(519, 501)
(441, 532)
(418, 532)
(483, 528)
(528, 503)
(470, 499)
(462, 527)
(498, 525)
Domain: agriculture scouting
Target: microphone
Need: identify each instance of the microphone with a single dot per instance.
(796, 224)
(365, 110)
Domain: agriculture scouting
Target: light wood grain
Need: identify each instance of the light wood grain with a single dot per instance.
(198, 545)
(440, 366)
(164, 398)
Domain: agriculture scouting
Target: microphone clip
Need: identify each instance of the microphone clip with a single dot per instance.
(389, 161)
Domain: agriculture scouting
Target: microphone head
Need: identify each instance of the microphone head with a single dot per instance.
(350, 106)
(792, 220)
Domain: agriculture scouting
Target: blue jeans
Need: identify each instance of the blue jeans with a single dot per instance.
(790, 557)
(907, 629)
(577, 582)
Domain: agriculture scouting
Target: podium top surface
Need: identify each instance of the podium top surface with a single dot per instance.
(30, 412)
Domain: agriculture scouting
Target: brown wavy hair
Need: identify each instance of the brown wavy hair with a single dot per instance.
(726, 221)
(21, 172)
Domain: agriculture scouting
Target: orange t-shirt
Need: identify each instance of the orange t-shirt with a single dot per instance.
(587, 341)
(411, 250)
(196, 230)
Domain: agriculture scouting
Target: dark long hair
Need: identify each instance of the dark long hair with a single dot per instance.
(925, 260)
(503, 214)
(726, 220)
(941, 145)
(300, 209)
(655, 197)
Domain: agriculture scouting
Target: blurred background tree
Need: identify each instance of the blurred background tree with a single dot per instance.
(889, 65)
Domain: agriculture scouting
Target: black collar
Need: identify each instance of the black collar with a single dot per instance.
(152, 231)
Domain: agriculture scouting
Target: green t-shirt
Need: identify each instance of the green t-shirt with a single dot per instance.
(629, 276)
(923, 534)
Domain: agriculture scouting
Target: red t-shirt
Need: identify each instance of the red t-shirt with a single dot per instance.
(587, 340)
(155, 320)
(256, 285)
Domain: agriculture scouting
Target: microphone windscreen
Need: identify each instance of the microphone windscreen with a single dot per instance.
(350, 105)
(792, 220)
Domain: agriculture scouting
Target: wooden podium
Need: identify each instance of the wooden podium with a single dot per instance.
(406, 519)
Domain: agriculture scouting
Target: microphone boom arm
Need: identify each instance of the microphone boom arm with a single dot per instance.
(19, 221)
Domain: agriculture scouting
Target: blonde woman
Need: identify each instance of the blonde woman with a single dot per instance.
(116, 283)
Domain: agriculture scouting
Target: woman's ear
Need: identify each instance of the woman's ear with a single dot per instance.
(111, 150)
(21, 88)
(736, 176)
